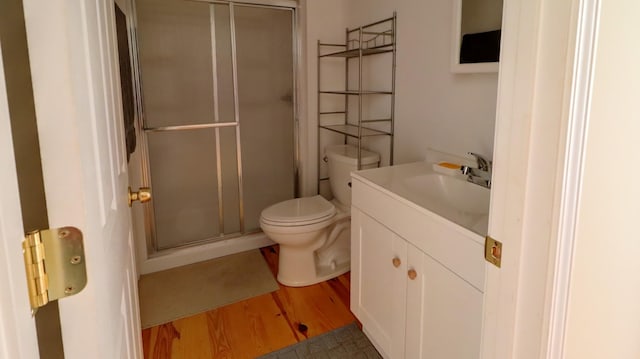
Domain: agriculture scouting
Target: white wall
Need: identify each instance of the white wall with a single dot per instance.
(604, 304)
(435, 108)
(323, 20)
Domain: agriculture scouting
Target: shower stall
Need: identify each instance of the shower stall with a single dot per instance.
(218, 136)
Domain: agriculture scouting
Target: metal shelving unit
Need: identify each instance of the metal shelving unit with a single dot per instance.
(376, 38)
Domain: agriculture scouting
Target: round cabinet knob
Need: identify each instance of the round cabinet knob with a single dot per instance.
(396, 262)
(412, 274)
(143, 195)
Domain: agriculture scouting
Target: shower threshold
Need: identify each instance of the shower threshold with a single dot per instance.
(202, 250)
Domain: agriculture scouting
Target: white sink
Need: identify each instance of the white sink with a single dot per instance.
(450, 197)
(450, 191)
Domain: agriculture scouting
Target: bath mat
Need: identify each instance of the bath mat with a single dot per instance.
(347, 342)
(184, 291)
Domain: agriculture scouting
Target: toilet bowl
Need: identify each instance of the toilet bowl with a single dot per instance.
(314, 233)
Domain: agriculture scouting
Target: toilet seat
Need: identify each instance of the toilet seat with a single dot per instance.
(299, 212)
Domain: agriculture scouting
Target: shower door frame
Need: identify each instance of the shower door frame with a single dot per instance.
(153, 259)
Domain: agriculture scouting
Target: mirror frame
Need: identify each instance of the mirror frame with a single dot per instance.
(456, 39)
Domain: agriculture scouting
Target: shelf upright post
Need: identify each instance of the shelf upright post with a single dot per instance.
(346, 82)
(360, 98)
(318, 119)
(393, 88)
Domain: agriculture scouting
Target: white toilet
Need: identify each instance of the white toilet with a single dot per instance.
(313, 233)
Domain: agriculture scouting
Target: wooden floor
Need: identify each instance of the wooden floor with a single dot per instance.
(254, 326)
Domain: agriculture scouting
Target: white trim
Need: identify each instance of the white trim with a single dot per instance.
(584, 64)
(306, 167)
(513, 115)
(534, 102)
(481, 67)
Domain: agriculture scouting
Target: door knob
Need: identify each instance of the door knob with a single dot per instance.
(412, 274)
(396, 262)
(143, 195)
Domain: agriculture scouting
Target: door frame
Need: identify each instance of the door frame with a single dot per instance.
(543, 106)
(18, 338)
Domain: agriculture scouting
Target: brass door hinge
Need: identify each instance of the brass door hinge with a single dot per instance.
(54, 264)
(493, 251)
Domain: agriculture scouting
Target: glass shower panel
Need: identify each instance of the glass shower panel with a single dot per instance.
(176, 62)
(230, 194)
(183, 177)
(264, 48)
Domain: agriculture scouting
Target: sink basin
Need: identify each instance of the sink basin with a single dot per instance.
(450, 197)
(450, 191)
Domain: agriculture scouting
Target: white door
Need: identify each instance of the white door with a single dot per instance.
(379, 285)
(79, 113)
(444, 312)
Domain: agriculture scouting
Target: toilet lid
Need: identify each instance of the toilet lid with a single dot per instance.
(299, 211)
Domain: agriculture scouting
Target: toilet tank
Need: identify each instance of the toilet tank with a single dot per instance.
(342, 160)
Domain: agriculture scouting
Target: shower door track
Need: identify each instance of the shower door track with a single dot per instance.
(191, 127)
(150, 226)
(271, 4)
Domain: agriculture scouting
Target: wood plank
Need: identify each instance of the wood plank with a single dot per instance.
(270, 255)
(340, 285)
(194, 339)
(316, 307)
(162, 338)
(248, 329)
(146, 341)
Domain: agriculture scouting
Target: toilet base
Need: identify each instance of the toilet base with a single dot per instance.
(323, 273)
(302, 266)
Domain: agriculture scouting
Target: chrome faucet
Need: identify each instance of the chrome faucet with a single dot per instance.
(480, 175)
(483, 164)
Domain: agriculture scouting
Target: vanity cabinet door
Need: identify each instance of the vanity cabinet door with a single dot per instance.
(444, 312)
(378, 283)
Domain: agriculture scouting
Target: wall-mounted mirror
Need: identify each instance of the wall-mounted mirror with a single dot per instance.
(476, 35)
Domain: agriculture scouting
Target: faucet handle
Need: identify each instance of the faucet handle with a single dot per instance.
(483, 164)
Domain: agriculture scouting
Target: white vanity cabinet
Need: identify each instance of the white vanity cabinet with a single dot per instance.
(415, 280)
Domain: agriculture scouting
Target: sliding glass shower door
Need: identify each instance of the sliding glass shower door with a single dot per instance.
(218, 87)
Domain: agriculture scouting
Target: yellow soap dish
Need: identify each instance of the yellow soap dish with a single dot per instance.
(447, 168)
